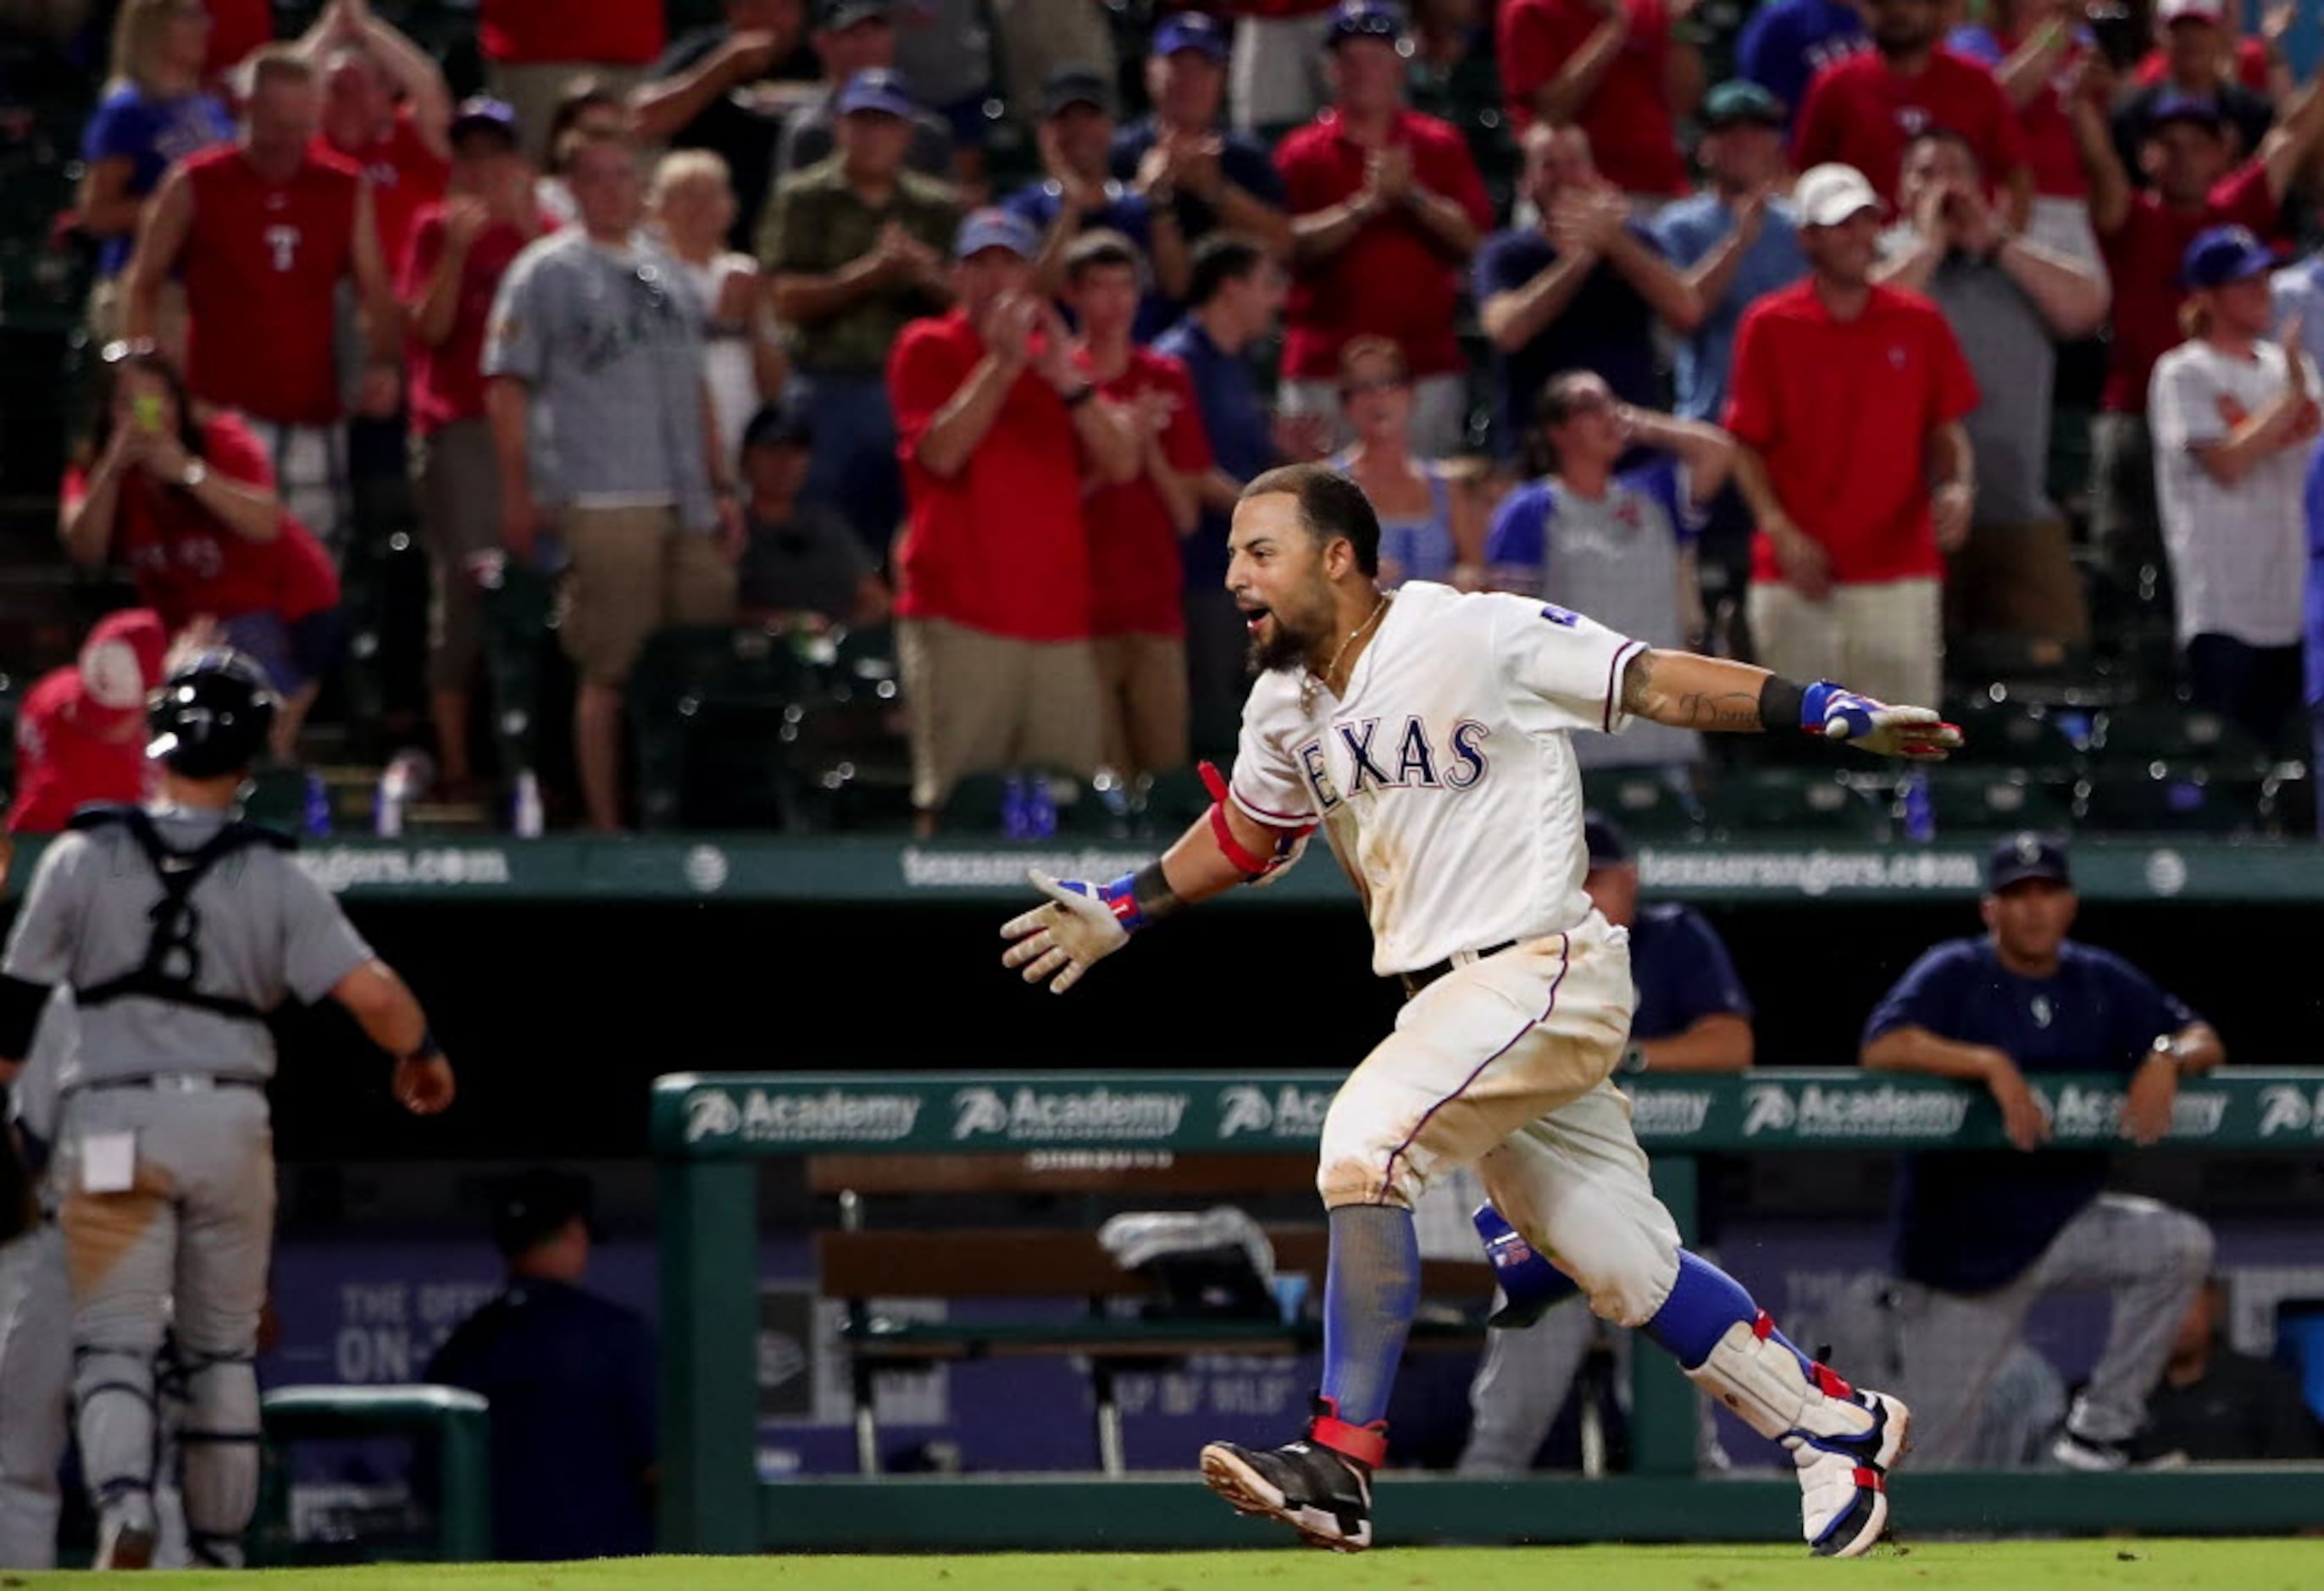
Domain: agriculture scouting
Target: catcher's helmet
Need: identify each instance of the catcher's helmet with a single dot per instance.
(211, 716)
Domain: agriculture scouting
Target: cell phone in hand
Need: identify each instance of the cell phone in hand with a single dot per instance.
(2115, 27)
(146, 408)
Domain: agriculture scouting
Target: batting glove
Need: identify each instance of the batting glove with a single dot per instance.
(1841, 714)
(1080, 926)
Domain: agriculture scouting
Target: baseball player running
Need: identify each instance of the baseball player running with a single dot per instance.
(178, 926)
(1427, 734)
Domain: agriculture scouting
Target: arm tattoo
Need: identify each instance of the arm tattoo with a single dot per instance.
(1726, 710)
(1638, 682)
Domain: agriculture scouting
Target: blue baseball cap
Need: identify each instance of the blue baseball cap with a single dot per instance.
(1365, 19)
(2222, 254)
(1192, 30)
(481, 115)
(2174, 106)
(994, 228)
(880, 89)
(2026, 856)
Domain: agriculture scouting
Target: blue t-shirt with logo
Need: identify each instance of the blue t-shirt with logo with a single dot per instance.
(1973, 1220)
(150, 134)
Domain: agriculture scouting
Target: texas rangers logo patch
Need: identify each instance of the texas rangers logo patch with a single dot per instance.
(1557, 615)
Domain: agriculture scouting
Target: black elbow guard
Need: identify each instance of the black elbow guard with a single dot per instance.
(21, 1005)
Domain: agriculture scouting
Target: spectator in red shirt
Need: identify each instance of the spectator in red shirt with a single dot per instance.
(1000, 435)
(237, 27)
(1848, 398)
(2253, 63)
(1385, 206)
(1860, 112)
(2035, 50)
(460, 250)
(2144, 234)
(2195, 58)
(1137, 626)
(403, 149)
(264, 230)
(185, 498)
(1623, 70)
(80, 733)
(535, 49)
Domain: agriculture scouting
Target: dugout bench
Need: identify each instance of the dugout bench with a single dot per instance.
(708, 1132)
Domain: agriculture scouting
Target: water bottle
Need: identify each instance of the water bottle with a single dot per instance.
(314, 816)
(1016, 818)
(1040, 809)
(524, 816)
(1920, 815)
(404, 781)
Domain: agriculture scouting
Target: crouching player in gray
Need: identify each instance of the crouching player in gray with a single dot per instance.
(178, 926)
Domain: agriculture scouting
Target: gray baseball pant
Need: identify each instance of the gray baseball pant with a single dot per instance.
(35, 1368)
(187, 1246)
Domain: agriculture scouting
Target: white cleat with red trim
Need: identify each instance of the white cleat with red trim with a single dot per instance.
(1843, 1441)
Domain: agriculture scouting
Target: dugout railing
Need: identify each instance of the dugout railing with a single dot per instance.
(711, 1132)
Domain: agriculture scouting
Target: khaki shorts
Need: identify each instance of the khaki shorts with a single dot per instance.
(1884, 638)
(2017, 580)
(459, 483)
(1142, 681)
(981, 701)
(634, 571)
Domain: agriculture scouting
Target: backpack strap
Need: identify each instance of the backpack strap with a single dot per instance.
(172, 963)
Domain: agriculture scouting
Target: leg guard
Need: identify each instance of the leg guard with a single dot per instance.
(221, 1454)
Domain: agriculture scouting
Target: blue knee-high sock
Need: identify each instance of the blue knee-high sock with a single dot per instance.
(1703, 1303)
(1369, 1295)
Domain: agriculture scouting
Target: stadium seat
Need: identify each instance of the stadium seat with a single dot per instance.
(712, 712)
(1996, 800)
(2182, 799)
(1172, 800)
(2008, 734)
(1649, 804)
(1796, 801)
(2142, 733)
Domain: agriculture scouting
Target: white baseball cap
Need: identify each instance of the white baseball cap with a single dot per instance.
(2214, 12)
(1828, 195)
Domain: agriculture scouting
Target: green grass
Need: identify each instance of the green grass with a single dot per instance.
(2175, 1565)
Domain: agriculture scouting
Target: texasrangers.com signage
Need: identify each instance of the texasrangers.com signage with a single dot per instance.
(729, 1116)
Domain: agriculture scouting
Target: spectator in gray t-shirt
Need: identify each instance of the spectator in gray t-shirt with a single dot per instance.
(603, 432)
(2009, 302)
(802, 560)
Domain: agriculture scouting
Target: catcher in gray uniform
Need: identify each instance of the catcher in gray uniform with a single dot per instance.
(178, 926)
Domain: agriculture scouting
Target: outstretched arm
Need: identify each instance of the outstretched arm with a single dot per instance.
(1689, 691)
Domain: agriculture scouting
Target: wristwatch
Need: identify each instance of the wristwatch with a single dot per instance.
(194, 472)
(2167, 1046)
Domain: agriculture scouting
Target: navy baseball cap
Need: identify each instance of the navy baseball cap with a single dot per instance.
(2174, 106)
(1365, 19)
(1738, 99)
(2026, 856)
(878, 89)
(483, 115)
(1074, 86)
(1608, 847)
(2222, 254)
(1192, 30)
(836, 16)
(993, 228)
(534, 1206)
(778, 423)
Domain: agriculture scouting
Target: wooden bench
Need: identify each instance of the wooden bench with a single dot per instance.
(1051, 1251)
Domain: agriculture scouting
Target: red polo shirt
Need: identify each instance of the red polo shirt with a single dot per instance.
(405, 175)
(1841, 412)
(1392, 278)
(1134, 572)
(1627, 118)
(2143, 256)
(1000, 546)
(1862, 111)
(447, 380)
(2251, 66)
(618, 32)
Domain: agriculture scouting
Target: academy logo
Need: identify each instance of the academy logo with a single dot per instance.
(833, 1116)
(2286, 1108)
(1669, 1113)
(1289, 1113)
(1100, 1114)
(2097, 1113)
(1884, 1112)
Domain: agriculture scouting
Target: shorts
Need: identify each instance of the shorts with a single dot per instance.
(981, 701)
(295, 653)
(634, 570)
(459, 483)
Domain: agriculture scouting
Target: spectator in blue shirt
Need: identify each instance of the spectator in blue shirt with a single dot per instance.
(1077, 194)
(153, 112)
(1234, 299)
(1693, 1016)
(1181, 154)
(1784, 45)
(571, 1380)
(1980, 1235)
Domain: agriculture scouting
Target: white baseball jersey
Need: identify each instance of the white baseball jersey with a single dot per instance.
(1444, 781)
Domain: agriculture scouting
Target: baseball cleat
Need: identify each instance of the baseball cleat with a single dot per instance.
(1317, 1489)
(1844, 1477)
(123, 1543)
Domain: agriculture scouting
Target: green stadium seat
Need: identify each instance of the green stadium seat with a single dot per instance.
(2142, 733)
(1795, 801)
(709, 709)
(2185, 800)
(2012, 734)
(1996, 800)
(1649, 804)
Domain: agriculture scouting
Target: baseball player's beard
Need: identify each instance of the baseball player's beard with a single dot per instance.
(1282, 649)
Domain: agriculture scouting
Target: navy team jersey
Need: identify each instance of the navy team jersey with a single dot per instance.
(1683, 972)
(1970, 1221)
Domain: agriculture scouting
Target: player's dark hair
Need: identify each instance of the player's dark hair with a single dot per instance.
(1219, 259)
(116, 358)
(1559, 401)
(1329, 505)
(1938, 132)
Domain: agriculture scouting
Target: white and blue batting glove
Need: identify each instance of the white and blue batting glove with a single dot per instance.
(1081, 925)
(1838, 713)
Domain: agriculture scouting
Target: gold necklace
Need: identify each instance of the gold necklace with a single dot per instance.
(1325, 678)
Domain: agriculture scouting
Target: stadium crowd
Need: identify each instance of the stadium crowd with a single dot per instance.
(1940, 341)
